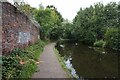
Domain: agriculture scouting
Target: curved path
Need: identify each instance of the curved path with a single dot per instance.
(49, 66)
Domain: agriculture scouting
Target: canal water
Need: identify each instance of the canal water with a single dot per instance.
(85, 61)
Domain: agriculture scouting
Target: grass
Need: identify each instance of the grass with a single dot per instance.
(22, 63)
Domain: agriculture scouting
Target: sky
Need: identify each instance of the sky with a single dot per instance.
(67, 8)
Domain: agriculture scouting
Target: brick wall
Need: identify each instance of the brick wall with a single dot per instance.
(0, 29)
(18, 31)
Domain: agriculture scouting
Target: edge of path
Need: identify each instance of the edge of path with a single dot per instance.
(49, 57)
(62, 63)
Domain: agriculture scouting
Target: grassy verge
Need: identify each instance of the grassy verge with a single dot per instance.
(22, 63)
(61, 60)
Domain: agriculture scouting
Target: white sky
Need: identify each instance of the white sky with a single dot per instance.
(67, 8)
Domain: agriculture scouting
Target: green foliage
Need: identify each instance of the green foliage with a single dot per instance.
(98, 22)
(49, 18)
(86, 24)
(10, 67)
(28, 69)
(100, 43)
(56, 33)
(21, 63)
(111, 38)
(89, 38)
(68, 30)
(25, 7)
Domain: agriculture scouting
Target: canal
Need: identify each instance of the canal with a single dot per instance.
(89, 62)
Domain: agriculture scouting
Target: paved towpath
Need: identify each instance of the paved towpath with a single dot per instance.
(49, 66)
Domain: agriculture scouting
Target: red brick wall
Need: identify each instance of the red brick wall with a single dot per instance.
(0, 29)
(18, 31)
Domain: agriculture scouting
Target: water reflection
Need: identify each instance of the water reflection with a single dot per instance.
(89, 62)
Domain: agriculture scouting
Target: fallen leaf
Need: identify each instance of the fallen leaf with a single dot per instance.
(22, 62)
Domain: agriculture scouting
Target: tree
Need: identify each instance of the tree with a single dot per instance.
(98, 22)
(49, 18)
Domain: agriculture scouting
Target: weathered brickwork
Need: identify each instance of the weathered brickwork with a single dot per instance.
(18, 31)
(0, 29)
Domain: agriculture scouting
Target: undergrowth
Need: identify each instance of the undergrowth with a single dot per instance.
(22, 63)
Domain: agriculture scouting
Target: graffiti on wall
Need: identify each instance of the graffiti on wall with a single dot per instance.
(24, 37)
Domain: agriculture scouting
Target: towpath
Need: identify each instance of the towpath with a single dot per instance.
(49, 66)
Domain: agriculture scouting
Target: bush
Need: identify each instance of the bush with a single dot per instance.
(111, 38)
(99, 43)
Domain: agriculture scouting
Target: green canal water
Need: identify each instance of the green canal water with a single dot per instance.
(89, 62)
